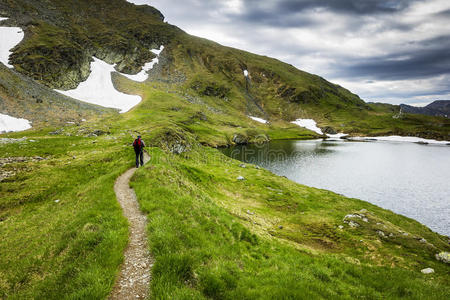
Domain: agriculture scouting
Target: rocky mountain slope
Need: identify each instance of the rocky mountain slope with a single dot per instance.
(62, 37)
(439, 108)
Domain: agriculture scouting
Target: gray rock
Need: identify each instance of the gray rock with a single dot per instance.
(280, 227)
(250, 212)
(444, 257)
(427, 270)
(422, 240)
(57, 201)
(353, 224)
(242, 165)
(240, 178)
(381, 233)
(240, 139)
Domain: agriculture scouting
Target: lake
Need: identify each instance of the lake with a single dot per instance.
(407, 178)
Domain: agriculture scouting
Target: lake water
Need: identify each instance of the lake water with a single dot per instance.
(407, 178)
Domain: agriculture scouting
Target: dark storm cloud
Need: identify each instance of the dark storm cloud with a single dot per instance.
(432, 59)
(289, 13)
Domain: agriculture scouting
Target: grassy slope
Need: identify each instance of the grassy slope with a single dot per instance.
(285, 93)
(204, 242)
(71, 248)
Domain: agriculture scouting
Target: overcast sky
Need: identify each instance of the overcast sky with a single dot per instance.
(395, 51)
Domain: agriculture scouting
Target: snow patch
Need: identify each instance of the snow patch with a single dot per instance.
(308, 124)
(10, 36)
(99, 89)
(245, 73)
(408, 139)
(8, 123)
(158, 51)
(142, 76)
(2, 19)
(258, 120)
(336, 136)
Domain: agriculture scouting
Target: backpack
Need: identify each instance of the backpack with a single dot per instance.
(137, 144)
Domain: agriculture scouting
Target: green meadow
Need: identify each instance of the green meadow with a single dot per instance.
(212, 236)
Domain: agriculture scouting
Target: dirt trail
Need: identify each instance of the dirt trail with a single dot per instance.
(134, 279)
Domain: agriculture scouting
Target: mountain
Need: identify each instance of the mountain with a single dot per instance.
(438, 108)
(62, 37)
(216, 228)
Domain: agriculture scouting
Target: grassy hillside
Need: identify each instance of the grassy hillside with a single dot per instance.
(62, 36)
(212, 236)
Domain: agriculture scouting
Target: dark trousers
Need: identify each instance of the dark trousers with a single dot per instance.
(139, 156)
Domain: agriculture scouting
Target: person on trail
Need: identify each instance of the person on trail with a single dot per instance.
(138, 146)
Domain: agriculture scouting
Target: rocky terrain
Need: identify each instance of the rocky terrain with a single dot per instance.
(438, 108)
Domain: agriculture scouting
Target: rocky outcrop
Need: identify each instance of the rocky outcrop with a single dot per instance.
(444, 257)
(439, 108)
(57, 50)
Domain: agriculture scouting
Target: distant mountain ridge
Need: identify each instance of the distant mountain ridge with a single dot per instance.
(438, 108)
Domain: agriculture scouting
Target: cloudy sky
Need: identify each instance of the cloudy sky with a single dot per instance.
(395, 51)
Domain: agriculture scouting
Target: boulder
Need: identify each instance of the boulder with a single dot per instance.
(240, 178)
(427, 271)
(329, 130)
(444, 257)
(240, 139)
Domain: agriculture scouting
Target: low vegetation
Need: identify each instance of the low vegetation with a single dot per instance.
(212, 236)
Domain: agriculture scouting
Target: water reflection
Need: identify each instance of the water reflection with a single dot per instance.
(407, 178)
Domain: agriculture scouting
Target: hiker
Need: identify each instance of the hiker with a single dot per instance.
(139, 145)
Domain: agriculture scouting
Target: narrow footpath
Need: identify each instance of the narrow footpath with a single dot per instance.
(134, 279)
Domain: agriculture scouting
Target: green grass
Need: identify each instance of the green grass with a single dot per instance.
(206, 245)
(70, 249)
(204, 242)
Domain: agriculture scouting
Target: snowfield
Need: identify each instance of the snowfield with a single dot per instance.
(8, 123)
(308, 124)
(142, 76)
(99, 89)
(10, 37)
(396, 138)
(258, 120)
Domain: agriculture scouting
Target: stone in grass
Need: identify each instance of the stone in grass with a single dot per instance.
(427, 271)
(353, 224)
(240, 178)
(444, 257)
(250, 212)
(242, 165)
(280, 227)
(57, 200)
(381, 233)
